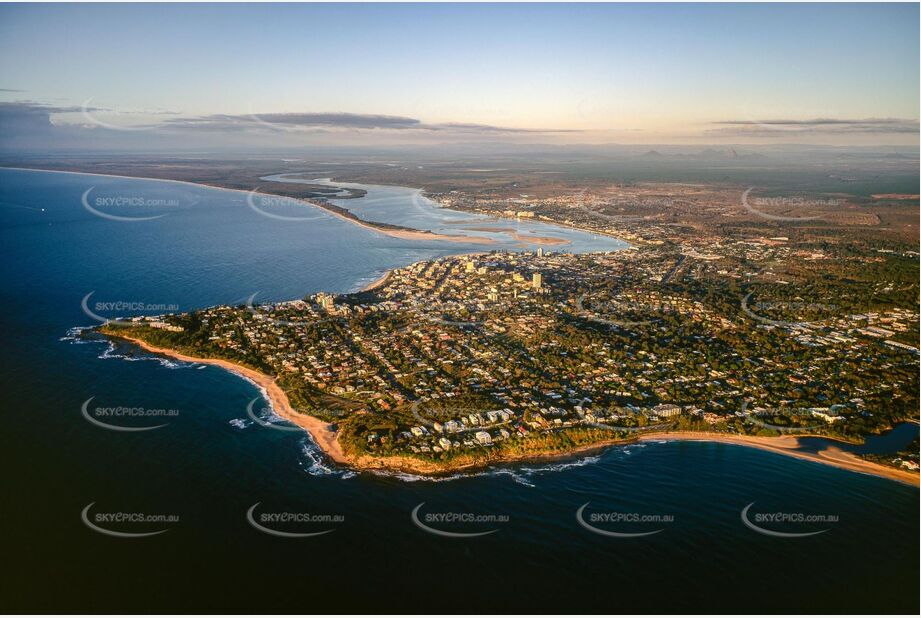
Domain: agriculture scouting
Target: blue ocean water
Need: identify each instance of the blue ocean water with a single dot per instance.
(411, 208)
(212, 462)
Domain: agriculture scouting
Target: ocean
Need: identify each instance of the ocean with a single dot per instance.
(211, 486)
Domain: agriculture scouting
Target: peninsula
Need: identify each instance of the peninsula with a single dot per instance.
(467, 361)
(739, 318)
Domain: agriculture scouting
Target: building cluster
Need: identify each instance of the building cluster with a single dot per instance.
(505, 344)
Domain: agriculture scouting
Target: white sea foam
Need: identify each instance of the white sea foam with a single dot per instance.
(562, 465)
(169, 363)
(315, 462)
(517, 476)
(408, 477)
(75, 336)
(266, 414)
(523, 475)
(312, 458)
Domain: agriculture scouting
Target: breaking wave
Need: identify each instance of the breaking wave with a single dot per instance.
(315, 463)
(311, 457)
(75, 336)
(521, 474)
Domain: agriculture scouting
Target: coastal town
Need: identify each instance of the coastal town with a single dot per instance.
(503, 354)
(525, 309)
(733, 310)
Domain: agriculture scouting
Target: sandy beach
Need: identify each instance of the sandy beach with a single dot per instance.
(404, 234)
(789, 445)
(527, 238)
(324, 436)
(320, 431)
(394, 233)
(539, 240)
(377, 282)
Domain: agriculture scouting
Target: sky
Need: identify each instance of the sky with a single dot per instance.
(409, 73)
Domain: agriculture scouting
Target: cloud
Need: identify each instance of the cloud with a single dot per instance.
(10, 90)
(828, 126)
(332, 121)
(486, 128)
(30, 118)
(42, 109)
(289, 121)
(34, 126)
(350, 121)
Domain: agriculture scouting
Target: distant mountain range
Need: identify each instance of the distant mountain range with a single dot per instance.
(708, 154)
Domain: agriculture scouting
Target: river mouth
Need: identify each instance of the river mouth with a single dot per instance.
(409, 207)
(208, 466)
(896, 439)
(321, 187)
